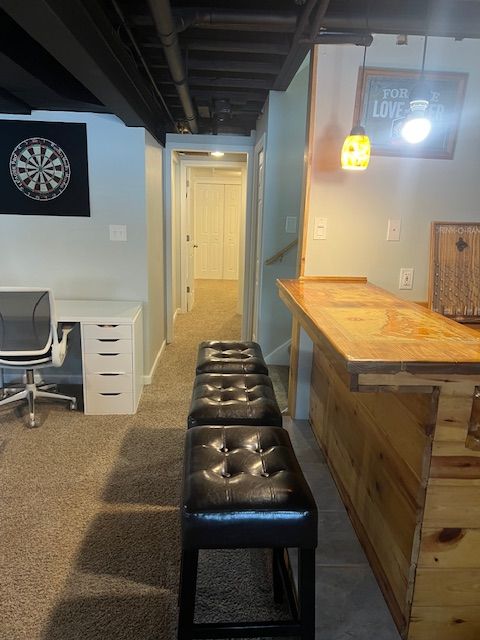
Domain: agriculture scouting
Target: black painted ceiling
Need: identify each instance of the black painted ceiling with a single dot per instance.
(106, 55)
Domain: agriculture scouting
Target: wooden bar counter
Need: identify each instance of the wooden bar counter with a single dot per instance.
(395, 405)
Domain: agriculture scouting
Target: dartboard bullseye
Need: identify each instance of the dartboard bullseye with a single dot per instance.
(40, 169)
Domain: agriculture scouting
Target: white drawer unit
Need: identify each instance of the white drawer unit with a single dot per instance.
(109, 403)
(107, 363)
(109, 382)
(112, 356)
(108, 331)
(107, 345)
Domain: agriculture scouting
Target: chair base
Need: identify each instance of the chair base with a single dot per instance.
(31, 392)
(302, 623)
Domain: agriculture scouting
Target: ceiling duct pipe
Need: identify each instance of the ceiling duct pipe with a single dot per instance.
(242, 20)
(163, 19)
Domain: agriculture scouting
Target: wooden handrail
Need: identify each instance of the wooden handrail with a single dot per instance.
(279, 255)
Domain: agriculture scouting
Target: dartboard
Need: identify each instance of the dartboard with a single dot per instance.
(40, 169)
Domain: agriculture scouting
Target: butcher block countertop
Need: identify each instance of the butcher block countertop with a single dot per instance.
(372, 330)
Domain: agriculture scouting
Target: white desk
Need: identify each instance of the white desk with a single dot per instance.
(112, 352)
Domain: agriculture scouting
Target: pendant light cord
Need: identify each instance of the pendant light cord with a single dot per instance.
(424, 53)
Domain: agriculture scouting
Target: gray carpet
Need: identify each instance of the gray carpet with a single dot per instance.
(89, 532)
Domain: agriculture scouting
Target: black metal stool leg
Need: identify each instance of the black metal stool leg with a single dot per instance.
(188, 587)
(306, 592)
(276, 575)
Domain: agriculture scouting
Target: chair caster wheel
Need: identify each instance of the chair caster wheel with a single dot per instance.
(73, 405)
(32, 423)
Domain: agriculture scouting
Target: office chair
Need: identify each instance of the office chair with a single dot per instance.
(29, 341)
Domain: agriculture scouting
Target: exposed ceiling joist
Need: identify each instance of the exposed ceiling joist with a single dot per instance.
(79, 36)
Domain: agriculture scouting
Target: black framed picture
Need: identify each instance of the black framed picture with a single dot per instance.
(44, 168)
(384, 102)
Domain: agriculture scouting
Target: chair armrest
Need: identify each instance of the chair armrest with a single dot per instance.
(59, 349)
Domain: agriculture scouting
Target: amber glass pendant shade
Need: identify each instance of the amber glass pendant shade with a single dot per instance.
(356, 150)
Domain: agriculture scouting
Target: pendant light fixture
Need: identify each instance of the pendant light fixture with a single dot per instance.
(356, 148)
(417, 124)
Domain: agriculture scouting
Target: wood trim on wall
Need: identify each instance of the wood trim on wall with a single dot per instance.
(307, 171)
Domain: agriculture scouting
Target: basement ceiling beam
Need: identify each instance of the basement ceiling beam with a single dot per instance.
(11, 104)
(221, 46)
(224, 19)
(314, 9)
(219, 82)
(78, 34)
(28, 89)
(241, 96)
(240, 66)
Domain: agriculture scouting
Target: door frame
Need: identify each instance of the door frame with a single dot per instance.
(228, 144)
(257, 234)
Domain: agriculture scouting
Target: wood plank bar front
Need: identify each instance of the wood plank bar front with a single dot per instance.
(395, 405)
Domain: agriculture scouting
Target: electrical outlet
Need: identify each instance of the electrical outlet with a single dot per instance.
(406, 278)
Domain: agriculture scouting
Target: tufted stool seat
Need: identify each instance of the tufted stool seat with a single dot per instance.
(233, 398)
(243, 488)
(229, 356)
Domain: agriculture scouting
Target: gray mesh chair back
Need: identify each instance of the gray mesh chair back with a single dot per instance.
(25, 322)
(28, 341)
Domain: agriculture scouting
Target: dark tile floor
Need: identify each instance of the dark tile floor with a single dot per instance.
(349, 604)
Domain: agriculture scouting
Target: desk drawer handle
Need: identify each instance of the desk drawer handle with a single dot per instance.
(110, 374)
(108, 354)
(110, 394)
(108, 339)
(108, 326)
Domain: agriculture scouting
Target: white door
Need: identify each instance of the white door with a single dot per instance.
(209, 223)
(217, 213)
(231, 231)
(259, 188)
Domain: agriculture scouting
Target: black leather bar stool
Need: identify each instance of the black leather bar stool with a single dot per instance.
(233, 398)
(243, 488)
(229, 356)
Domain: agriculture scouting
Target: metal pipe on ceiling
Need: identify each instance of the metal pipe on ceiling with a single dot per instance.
(250, 20)
(164, 23)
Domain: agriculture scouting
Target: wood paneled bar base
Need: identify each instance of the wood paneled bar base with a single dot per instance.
(395, 405)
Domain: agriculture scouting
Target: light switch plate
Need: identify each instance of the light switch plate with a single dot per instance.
(118, 232)
(393, 230)
(320, 228)
(291, 224)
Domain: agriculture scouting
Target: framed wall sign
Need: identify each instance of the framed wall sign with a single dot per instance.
(385, 101)
(43, 168)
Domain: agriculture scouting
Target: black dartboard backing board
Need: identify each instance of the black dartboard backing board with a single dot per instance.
(43, 168)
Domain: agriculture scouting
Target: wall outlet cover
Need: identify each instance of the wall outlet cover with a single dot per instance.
(406, 278)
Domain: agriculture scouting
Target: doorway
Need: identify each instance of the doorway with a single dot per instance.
(182, 153)
(209, 198)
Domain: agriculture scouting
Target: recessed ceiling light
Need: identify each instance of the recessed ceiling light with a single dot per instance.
(217, 154)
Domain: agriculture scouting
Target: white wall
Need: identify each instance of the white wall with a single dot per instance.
(285, 120)
(74, 256)
(418, 191)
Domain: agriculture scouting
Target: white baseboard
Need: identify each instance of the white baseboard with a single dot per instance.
(280, 355)
(147, 379)
(177, 311)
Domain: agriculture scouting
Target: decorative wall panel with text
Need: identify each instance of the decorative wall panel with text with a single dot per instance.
(455, 270)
